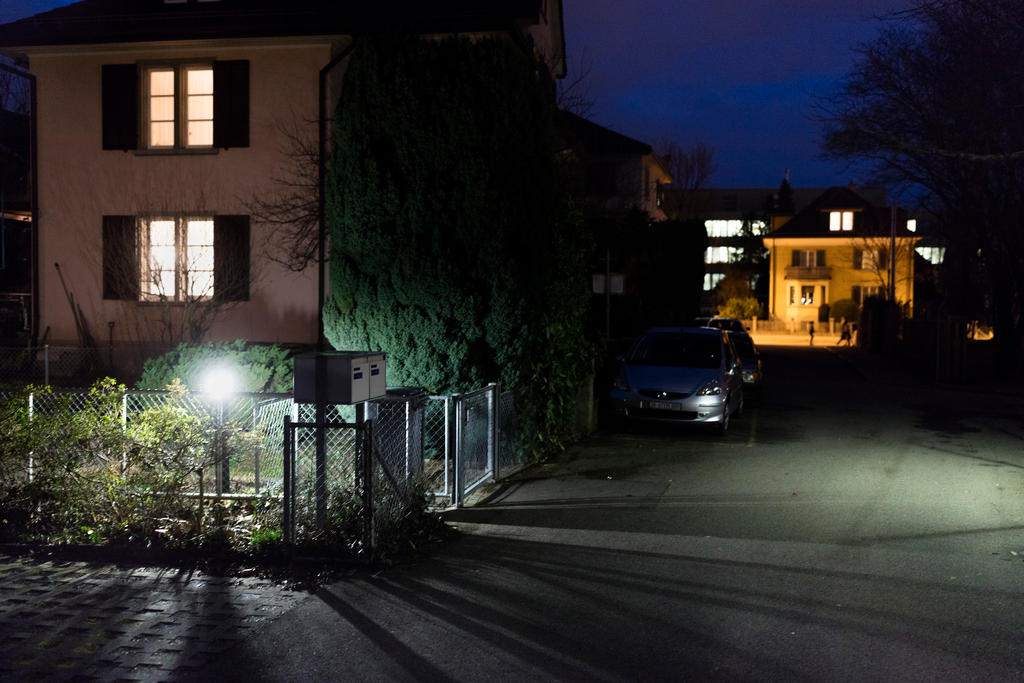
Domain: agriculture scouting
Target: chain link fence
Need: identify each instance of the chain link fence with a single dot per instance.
(362, 471)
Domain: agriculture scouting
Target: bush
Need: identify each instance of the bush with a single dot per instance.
(846, 308)
(260, 369)
(741, 308)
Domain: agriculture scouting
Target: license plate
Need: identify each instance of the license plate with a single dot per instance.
(663, 405)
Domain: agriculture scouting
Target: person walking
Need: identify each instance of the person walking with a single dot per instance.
(810, 327)
(844, 333)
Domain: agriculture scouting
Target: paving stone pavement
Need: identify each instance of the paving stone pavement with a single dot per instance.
(71, 621)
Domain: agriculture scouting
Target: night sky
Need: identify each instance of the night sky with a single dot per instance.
(738, 75)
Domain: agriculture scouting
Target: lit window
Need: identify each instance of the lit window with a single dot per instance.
(807, 295)
(180, 106)
(177, 259)
(912, 225)
(840, 220)
(934, 255)
(711, 280)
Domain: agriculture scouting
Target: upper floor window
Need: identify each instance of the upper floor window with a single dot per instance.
(807, 258)
(871, 259)
(840, 221)
(185, 106)
(179, 106)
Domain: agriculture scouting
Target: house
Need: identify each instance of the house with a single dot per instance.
(159, 122)
(617, 182)
(610, 171)
(840, 246)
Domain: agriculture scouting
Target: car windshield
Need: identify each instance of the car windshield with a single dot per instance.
(678, 349)
(744, 344)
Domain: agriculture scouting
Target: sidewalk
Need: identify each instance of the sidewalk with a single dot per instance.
(71, 620)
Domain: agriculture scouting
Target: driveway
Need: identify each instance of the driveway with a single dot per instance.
(852, 526)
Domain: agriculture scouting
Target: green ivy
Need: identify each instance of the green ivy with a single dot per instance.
(453, 246)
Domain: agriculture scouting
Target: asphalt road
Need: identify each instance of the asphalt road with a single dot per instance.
(845, 529)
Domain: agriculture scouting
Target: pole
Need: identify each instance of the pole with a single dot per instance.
(892, 254)
(286, 523)
(321, 441)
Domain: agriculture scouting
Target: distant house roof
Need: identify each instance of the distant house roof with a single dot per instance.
(589, 138)
(127, 21)
(869, 218)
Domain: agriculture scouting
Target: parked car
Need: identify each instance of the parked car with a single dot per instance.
(753, 369)
(679, 374)
(731, 324)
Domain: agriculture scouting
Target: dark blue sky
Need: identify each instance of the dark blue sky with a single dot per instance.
(737, 75)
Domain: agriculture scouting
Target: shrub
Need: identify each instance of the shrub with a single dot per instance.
(742, 308)
(846, 308)
(259, 368)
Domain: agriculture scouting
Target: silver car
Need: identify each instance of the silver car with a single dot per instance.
(680, 374)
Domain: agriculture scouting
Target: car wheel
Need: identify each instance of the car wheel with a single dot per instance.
(723, 426)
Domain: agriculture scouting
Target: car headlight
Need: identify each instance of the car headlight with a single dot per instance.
(621, 382)
(712, 388)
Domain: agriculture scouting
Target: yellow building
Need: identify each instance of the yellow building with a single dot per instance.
(839, 247)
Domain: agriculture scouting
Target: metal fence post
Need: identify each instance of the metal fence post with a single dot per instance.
(287, 455)
(459, 425)
(447, 445)
(124, 429)
(492, 430)
(256, 452)
(31, 457)
(46, 365)
(370, 528)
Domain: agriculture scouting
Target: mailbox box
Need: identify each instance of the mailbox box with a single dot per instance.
(350, 376)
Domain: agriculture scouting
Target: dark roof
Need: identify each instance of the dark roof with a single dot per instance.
(869, 218)
(587, 138)
(126, 21)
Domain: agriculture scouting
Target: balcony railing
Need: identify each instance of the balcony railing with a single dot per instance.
(808, 272)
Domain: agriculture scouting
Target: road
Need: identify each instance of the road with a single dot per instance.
(844, 529)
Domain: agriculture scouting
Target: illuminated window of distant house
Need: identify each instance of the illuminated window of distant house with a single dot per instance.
(870, 259)
(911, 225)
(722, 254)
(177, 259)
(933, 255)
(808, 258)
(712, 280)
(807, 295)
(179, 111)
(840, 221)
(734, 228)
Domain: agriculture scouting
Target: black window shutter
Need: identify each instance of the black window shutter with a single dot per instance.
(120, 99)
(231, 258)
(231, 103)
(820, 259)
(120, 258)
(855, 293)
(883, 258)
(858, 259)
(796, 257)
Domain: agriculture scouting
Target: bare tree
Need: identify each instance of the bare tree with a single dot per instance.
(292, 208)
(691, 169)
(935, 101)
(573, 94)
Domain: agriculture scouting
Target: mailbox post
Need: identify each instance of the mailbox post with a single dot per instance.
(336, 377)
